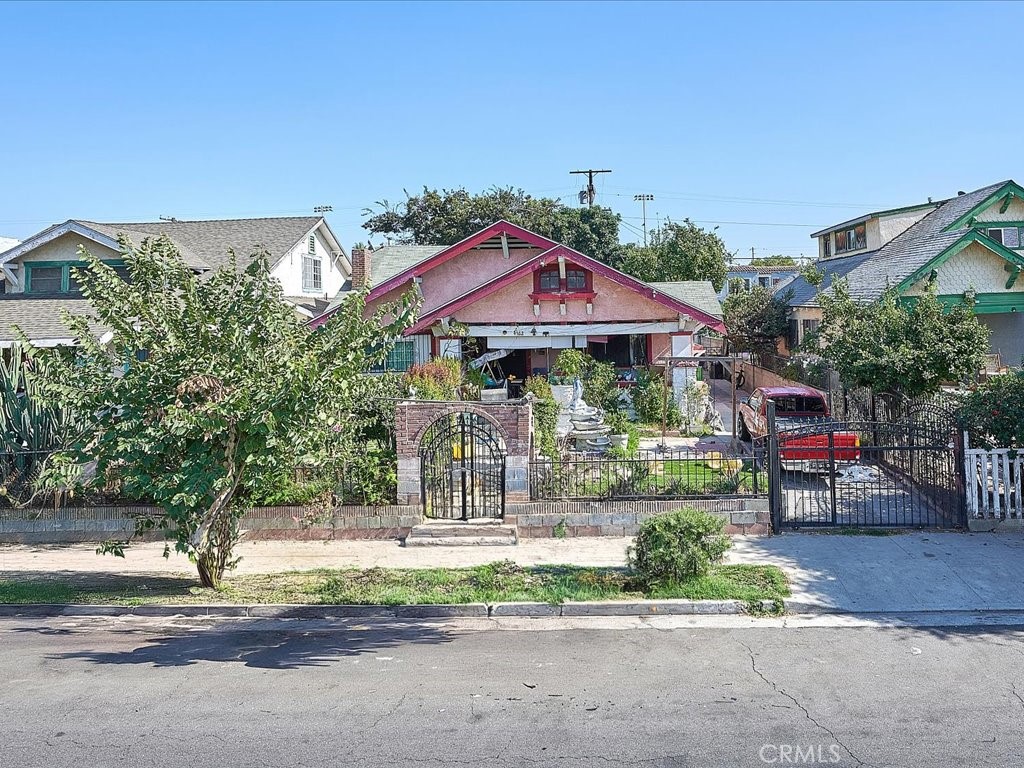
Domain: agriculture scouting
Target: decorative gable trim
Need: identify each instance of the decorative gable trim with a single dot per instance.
(551, 256)
(59, 230)
(1005, 193)
(1011, 257)
(498, 228)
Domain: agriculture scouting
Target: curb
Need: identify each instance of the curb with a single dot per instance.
(467, 610)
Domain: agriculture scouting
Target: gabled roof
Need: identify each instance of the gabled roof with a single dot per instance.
(391, 260)
(549, 256)
(696, 293)
(40, 319)
(203, 244)
(502, 233)
(869, 274)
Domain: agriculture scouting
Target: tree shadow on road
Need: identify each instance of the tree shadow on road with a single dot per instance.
(262, 644)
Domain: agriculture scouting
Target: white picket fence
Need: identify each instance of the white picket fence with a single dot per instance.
(993, 482)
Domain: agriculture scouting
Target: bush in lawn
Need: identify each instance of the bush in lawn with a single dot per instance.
(438, 379)
(677, 546)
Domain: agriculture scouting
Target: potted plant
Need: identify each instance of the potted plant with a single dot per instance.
(619, 425)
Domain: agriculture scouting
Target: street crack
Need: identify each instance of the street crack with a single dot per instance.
(802, 708)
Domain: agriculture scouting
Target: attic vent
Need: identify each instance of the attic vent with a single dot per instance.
(312, 243)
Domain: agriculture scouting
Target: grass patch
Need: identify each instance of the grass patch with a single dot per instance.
(492, 583)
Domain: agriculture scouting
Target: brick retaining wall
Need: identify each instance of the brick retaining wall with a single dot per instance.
(533, 519)
(96, 524)
(539, 519)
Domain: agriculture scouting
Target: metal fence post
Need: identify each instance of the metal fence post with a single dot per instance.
(772, 461)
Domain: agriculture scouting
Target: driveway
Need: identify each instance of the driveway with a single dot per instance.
(918, 571)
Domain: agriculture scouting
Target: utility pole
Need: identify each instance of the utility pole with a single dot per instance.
(751, 254)
(643, 200)
(591, 192)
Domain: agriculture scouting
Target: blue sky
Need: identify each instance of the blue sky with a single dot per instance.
(773, 115)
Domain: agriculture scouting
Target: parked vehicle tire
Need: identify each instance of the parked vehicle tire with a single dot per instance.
(744, 432)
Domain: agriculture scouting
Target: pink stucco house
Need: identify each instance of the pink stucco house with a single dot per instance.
(519, 291)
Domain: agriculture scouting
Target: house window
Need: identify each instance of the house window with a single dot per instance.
(312, 280)
(827, 243)
(852, 239)
(576, 280)
(764, 281)
(44, 279)
(1011, 237)
(997, 235)
(808, 327)
(312, 244)
(549, 281)
(793, 336)
(400, 358)
(57, 277)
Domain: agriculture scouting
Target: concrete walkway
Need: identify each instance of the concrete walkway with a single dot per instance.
(899, 573)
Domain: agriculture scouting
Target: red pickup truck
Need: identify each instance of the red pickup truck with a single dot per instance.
(798, 408)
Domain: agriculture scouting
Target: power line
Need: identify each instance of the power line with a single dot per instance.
(746, 223)
(757, 200)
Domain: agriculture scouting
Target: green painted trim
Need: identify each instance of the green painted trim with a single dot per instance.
(1010, 187)
(65, 276)
(1014, 271)
(1006, 203)
(998, 224)
(984, 303)
(973, 236)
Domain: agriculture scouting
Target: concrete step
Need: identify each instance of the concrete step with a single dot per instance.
(477, 532)
(460, 541)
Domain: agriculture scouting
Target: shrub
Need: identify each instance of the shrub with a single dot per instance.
(438, 379)
(545, 427)
(572, 363)
(992, 413)
(649, 398)
(600, 388)
(539, 387)
(677, 546)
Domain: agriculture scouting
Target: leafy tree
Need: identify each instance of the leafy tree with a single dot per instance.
(446, 216)
(755, 320)
(993, 411)
(909, 347)
(773, 261)
(679, 251)
(207, 383)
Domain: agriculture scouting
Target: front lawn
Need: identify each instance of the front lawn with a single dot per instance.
(493, 583)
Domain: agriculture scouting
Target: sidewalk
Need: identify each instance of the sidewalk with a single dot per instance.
(906, 572)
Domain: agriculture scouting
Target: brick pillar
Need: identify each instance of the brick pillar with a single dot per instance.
(361, 267)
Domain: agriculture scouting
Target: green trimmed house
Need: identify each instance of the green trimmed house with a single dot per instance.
(37, 282)
(971, 245)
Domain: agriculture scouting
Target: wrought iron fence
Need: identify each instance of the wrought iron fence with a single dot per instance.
(673, 474)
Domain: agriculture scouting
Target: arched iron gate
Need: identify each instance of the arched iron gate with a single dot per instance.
(462, 460)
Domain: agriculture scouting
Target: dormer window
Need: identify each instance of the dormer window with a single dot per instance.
(852, 239)
(1011, 237)
(828, 245)
(550, 281)
(576, 280)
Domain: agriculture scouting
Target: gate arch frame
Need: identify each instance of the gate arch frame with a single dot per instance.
(513, 420)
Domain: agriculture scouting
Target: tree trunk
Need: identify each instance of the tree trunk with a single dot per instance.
(212, 560)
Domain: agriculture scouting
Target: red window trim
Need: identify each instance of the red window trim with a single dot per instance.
(563, 288)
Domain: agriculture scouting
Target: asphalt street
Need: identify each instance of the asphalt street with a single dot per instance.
(138, 692)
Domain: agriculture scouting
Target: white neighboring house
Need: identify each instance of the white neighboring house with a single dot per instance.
(36, 280)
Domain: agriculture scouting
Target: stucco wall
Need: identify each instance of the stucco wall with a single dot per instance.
(63, 248)
(289, 270)
(974, 267)
(891, 226)
(460, 274)
(512, 304)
